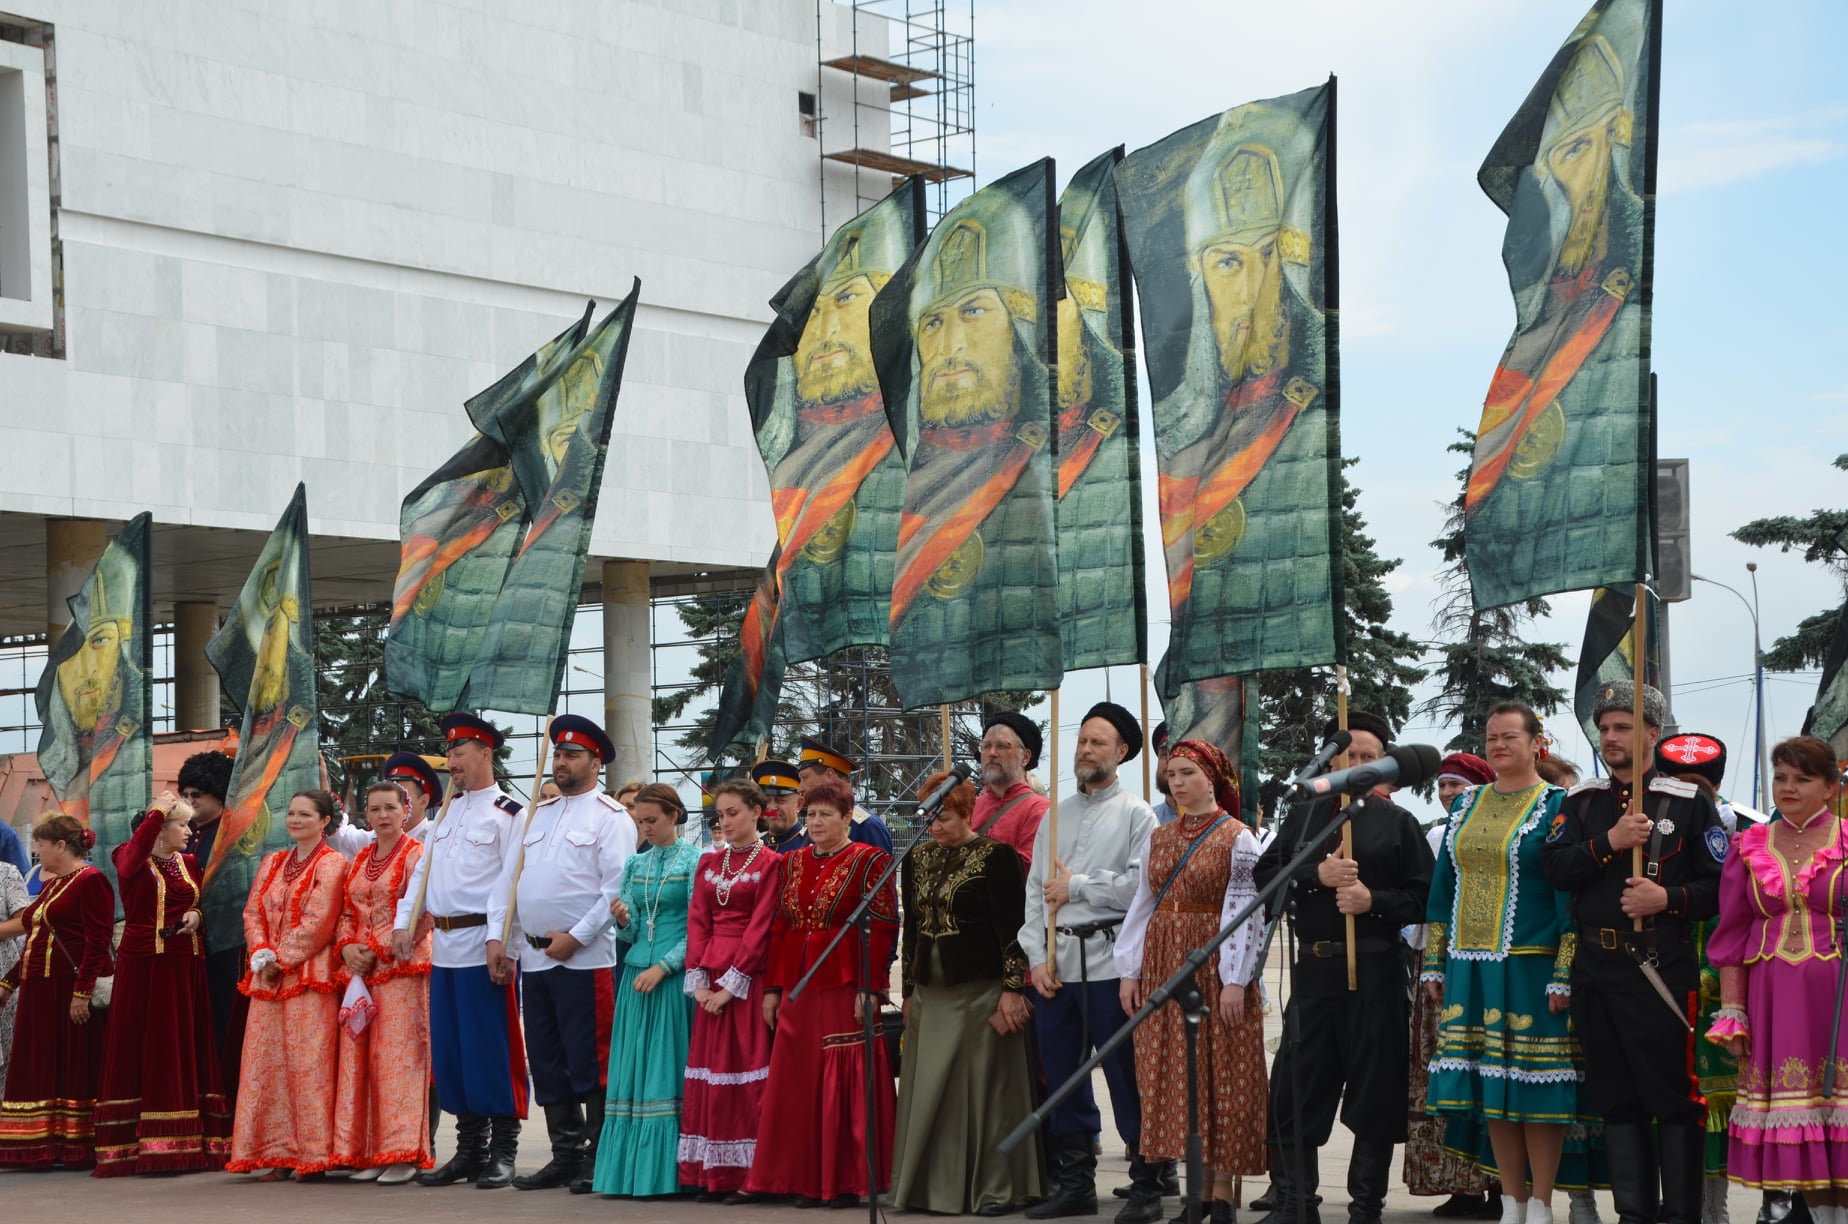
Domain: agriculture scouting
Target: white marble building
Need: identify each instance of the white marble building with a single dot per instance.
(293, 238)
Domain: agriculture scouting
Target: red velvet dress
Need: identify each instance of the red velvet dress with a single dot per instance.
(160, 1103)
(728, 1061)
(811, 1137)
(45, 1117)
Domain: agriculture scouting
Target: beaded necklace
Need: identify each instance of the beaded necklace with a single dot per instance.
(376, 866)
(673, 858)
(722, 887)
(293, 867)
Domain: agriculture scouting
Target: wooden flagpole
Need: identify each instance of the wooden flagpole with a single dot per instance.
(1639, 638)
(1052, 838)
(943, 712)
(532, 808)
(423, 887)
(1148, 795)
(1347, 830)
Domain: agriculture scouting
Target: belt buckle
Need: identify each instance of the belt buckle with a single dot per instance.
(1652, 869)
(1322, 949)
(1607, 939)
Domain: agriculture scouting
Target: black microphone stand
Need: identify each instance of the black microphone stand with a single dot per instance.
(861, 921)
(1179, 987)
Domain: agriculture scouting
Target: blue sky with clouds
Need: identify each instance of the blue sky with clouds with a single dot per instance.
(1749, 261)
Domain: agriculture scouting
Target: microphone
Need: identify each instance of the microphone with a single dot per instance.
(1407, 765)
(1337, 744)
(932, 807)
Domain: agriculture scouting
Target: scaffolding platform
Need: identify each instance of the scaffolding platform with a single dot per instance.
(877, 69)
(896, 166)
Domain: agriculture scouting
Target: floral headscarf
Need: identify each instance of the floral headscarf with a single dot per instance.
(1218, 768)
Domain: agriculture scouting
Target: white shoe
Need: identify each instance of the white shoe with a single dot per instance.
(398, 1174)
(1513, 1212)
(1582, 1207)
(1539, 1212)
(360, 1175)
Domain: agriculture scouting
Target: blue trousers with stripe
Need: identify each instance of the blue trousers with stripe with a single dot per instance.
(476, 1053)
(568, 1014)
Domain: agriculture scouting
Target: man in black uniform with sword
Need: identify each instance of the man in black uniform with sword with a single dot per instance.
(1635, 992)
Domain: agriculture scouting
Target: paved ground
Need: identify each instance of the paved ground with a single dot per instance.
(211, 1198)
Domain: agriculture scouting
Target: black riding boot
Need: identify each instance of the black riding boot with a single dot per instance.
(593, 1131)
(1369, 1174)
(1146, 1178)
(1281, 1198)
(1074, 1180)
(503, 1147)
(564, 1126)
(1683, 1163)
(471, 1154)
(1631, 1148)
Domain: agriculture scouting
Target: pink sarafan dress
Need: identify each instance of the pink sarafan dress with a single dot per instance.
(380, 1107)
(285, 1110)
(1778, 924)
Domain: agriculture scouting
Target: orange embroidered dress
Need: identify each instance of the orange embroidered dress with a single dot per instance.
(45, 1117)
(160, 1104)
(285, 1108)
(380, 1114)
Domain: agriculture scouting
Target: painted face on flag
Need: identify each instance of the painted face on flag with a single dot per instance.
(270, 685)
(1588, 121)
(569, 403)
(966, 359)
(1074, 358)
(89, 680)
(1244, 284)
(834, 358)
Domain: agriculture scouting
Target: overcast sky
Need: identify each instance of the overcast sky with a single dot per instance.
(1749, 263)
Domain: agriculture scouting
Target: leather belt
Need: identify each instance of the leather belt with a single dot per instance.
(539, 941)
(458, 922)
(1618, 939)
(1328, 949)
(1184, 907)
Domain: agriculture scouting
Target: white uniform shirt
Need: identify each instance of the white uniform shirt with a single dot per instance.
(468, 852)
(1102, 838)
(576, 849)
(349, 839)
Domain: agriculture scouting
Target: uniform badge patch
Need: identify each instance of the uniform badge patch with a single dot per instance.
(1716, 843)
(1557, 827)
(1666, 825)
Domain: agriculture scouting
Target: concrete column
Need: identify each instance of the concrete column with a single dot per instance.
(72, 549)
(195, 683)
(627, 670)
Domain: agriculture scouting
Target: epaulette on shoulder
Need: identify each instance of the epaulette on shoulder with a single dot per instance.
(1590, 784)
(550, 799)
(508, 804)
(609, 801)
(1674, 786)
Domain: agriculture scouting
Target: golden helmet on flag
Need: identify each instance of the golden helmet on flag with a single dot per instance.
(872, 245)
(1242, 190)
(986, 242)
(1590, 91)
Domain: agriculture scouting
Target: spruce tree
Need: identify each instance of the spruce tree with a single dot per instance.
(1382, 663)
(357, 714)
(1822, 535)
(1484, 655)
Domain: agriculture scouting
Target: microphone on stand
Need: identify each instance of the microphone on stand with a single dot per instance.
(1337, 744)
(1405, 765)
(932, 807)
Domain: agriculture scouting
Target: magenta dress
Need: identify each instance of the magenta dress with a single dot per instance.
(1783, 1135)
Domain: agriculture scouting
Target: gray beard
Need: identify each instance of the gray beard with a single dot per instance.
(1092, 775)
(998, 778)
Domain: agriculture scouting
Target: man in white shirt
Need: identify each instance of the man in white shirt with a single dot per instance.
(422, 790)
(476, 1053)
(1103, 834)
(552, 903)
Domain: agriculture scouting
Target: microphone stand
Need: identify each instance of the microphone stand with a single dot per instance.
(861, 921)
(1182, 988)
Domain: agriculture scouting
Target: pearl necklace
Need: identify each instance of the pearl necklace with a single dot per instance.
(722, 887)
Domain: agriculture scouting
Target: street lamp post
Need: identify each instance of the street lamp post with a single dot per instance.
(1760, 777)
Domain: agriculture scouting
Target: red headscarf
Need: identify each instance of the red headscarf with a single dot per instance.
(1217, 767)
(1467, 766)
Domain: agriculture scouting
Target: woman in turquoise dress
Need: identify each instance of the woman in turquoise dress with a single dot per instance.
(1498, 960)
(639, 1152)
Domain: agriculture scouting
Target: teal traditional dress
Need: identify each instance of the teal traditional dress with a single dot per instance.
(639, 1152)
(1501, 942)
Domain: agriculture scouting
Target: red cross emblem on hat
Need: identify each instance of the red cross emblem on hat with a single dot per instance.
(1690, 749)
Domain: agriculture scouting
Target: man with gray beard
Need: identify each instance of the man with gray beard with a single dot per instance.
(1009, 809)
(1087, 883)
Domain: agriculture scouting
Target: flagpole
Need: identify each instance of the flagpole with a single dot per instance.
(943, 714)
(1052, 837)
(532, 808)
(1148, 795)
(1347, 827)
(1638, 766)
(423, 887)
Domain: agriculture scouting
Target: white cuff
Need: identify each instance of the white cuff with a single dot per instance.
(1075, 886)
(1554, 988)
(261, 959)
(738, 983)
(695, 979)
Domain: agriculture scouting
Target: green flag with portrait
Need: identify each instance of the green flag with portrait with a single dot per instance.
(552, 415)
(754, 678)
(264, 657)
(1609, 652)
(1232, 235)
(1103, 615)
(1558, 491)
(964, 339)
(1223, 711)
(95, 697)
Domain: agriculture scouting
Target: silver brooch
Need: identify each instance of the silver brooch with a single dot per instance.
(1665, 826)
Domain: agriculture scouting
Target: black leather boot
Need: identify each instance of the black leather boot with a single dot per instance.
(1631, 1148)
(1074, 1180)
(593, 1131)
(503, 1148)
(1287, 1179)
(564, 1126)
(1783, 1207)
(1683, 1164)
(1145, 1189)
(471, 1154)
(1369, 1174)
